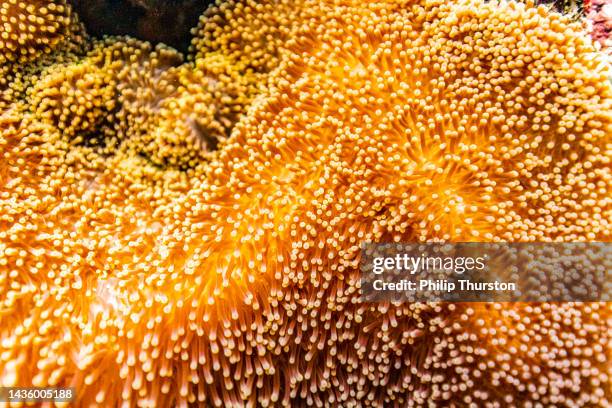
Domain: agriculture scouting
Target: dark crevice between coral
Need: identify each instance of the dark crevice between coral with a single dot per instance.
(565, 6)
(209, 141)
(158, 21)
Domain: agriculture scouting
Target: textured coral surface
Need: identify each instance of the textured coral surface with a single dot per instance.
(599, 14)
(185, 231)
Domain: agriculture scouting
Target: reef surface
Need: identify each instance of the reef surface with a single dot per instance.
(182, 230)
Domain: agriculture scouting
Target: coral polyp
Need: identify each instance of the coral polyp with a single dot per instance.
(30, 28)
(182, 231)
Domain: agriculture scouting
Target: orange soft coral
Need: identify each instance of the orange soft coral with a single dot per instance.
(231, 279)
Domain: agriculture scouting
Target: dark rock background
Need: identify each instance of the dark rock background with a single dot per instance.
(167, 21)
(564, 6)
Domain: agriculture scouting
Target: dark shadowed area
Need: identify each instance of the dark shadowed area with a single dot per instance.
(166, 21)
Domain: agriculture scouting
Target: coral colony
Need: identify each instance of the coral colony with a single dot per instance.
(184, 230)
